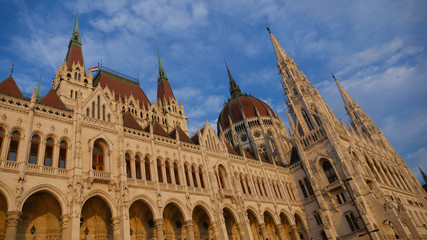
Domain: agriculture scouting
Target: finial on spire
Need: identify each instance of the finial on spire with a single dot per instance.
(334, 76)
(162, 74)
(268, 29)
(38, 88)
(76, 35)
(11, 71)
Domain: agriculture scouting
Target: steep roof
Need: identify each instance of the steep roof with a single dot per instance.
(158, 130)
(164, 90)
(52, 99)
(130, 122)
(182, 135)
(121, 86)
(9, 87)
(74, 55)
(230, 149)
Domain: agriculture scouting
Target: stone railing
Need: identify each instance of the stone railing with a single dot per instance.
(313, 136)
(102, 175)
(9, 165)
(33, 168)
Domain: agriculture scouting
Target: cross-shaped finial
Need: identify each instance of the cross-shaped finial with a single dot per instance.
(334, 76)
(11, 71)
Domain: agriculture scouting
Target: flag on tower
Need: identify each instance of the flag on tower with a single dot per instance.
(94, 70)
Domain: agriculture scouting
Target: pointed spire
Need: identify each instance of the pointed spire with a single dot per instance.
(348, 101)
(39, 88)
(423, 174)
(76, 35)
(234, 88)
(281, 55)
(162, 74)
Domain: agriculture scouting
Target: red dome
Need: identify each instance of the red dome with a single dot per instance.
(243, 103)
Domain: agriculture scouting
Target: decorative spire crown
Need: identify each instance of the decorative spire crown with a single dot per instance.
(234, 88)
(162, 74)
(76, 35)
(423, 174)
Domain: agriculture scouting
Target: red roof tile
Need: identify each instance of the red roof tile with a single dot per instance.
(230, 149)
(248, 155)
(130, 122)
(122, 87)
(164, 90)
(195, 139)
(158, 130)
(9, 87)
(182, 136)
(74, 55)
(52, 99)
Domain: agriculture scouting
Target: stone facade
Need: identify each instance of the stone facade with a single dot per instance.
(85, 162)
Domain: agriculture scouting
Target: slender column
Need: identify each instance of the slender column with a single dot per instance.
(280, 231)
(132, 167)
(295, 234)
(263, 232)
(65, 224)
(116, 228)
(241, 231)
(12, 221)
(215, 231)
(190, 229)
(158, 225)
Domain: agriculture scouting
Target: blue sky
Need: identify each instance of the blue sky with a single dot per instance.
(377, 49)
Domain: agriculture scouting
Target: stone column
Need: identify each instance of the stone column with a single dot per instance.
(12, 221)
(280, 232)
(241, 231)
(116, 228)
(215, 231)
(65, 225)
(190, 229)
(263, 232)
(295, 234)
(158, 225)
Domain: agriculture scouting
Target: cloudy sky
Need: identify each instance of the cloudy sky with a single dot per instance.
(377, 49)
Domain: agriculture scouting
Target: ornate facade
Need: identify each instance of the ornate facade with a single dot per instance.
(95, 159)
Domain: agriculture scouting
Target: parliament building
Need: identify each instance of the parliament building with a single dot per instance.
(95, 159)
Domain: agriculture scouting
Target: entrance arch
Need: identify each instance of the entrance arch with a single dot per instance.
(174, 224)
(202, 224)
(141, 221)
(254, 225)
(300, 227)
(95, 221)
(3, 214)
(231, 225)
(270, 227)
(41, 218)
(287, 230)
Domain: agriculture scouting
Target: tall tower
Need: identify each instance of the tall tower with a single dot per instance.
(71, 76)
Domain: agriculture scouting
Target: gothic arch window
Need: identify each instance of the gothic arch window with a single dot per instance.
(194, 175)
(75, 75)
(309, 188)
(265, 190)
(259, 188)
(75, 95)
(63, 147)
(329, 171)
(147, 169)
(352, 221)
(87, 112)
(304, 191)
(71, 94)
(34, 149)
(128, 168)
(79, 77)
(176, 173)
(93, 109)
(103, 112)
(12, 154)
(159, 170)
(98, 157)
(222, 176)
(187, 175)
(202, 180)
(318, 218)
(108, 117)
(307, 119)
(241, 184)
(138, 167)
(98, 102)
(2, 131)
(168, 172)
(48, 154)
(247, 185)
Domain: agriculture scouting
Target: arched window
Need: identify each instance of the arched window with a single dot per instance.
(1, 139)
(147, 169)
(62, 154)
(98, 157)
(308, 185)
(323, 235)
(187, 175)
(128, 168)
(259, 188)
(241, 184)
(103, 112)
(159, 170)
(352, 222)
(329, 171)
(304, 192)
(79, 77)
(87, 112)
(318, 218)
(34, 149)
(98, 107)
(48, 154)
(168, 172)
(221, 172)
(93, 109)
(108, 117)
(71, 94)
(75, 75)
(75, 94)
(307, 120)
(265, 190)
(247, 185)
(138, 167)
(202, 181)
(193, 174)
(175, 172)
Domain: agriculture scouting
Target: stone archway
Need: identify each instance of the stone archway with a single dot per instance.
(41, 218)
(287, 230)
(202, 224)
(231, 225)
(141, 221)
(174, 224)
(300, 228)
(3, 214)
(95, 221)
(270, 227)
(254, 225)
